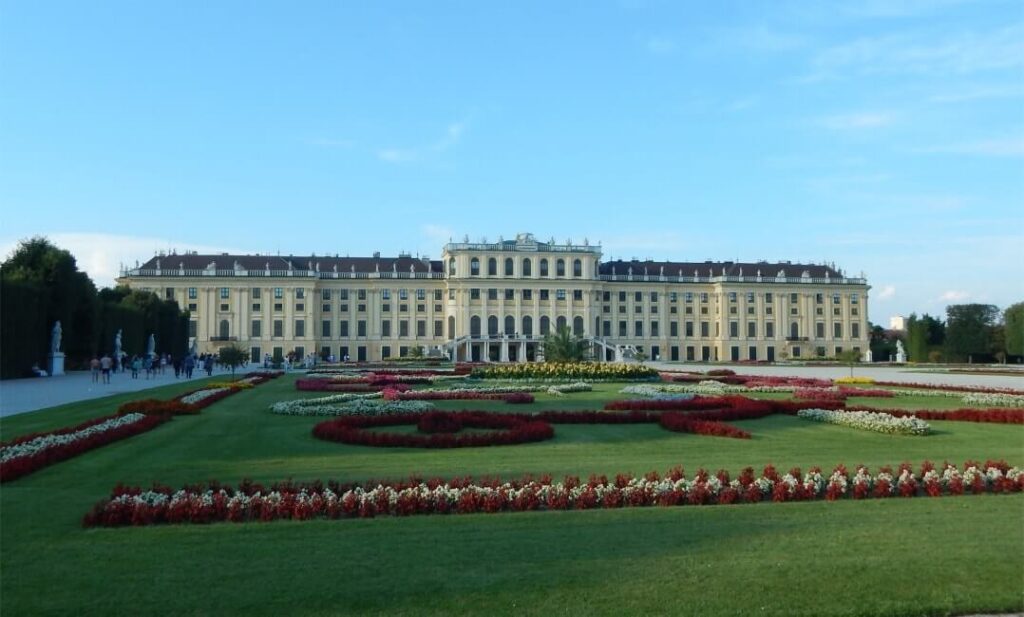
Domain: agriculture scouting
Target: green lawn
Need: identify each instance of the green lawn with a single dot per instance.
(895, 557)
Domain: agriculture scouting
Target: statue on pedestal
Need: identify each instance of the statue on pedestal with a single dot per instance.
(56, 358)
(901, 354)
(55, 337)
(117, 350)
(151, 346)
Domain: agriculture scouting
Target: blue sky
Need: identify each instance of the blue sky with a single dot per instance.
(886, 136)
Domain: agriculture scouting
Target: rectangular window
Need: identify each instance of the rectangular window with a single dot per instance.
(361, 308)
(192, 293)
(326, 308)
(300, 327)
(403, 294)
(438, 293)
(278, 327)
(673, 296)
(361, 294)
(225, 307)
(325, 328)
(385, 327)
(361, 327)
(769, 329)
(704, 297)
(855, 330)
(638, 296)
(225, 293)
(527, 294)
(837, 330)
(300, 293)
(299, 307)
(343, 294)
(752, 353)
(544, 294)
(768, 298)
(606, 328)
(607, 296)
(794, 298)
(168, 293)
(422, 308)
(654, 296)
(688, 296)
(691, 353)
(254, 293)
(510, 294)
(403, 308)
(344, 308)
(403, 328)
(734, 329)
(819, 298)
(673, 328)
(835, 298)
(689, 329)
(854, 298)
(421, 328)
(474, 293)
(622, 296)
(577, 295)
(560, 294)
(325, 294)
(343, 328)
(622, 328)
(278, 293)
(451, 294)
(638, 328)
(278, 307)
(751, 329)
(819, 330)
(732, 296)
(438, 328)
(750, 296)
(255, 307)
(654, 328)
(385, 294)
(705, 329)
(385, 351)
(838, 312)
(257, 328)
(492, 294)
(192, 327)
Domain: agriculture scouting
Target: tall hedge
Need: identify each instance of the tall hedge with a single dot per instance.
(24, 335)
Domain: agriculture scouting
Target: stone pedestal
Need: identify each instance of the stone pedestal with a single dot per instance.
(56, 364)
(901, 358)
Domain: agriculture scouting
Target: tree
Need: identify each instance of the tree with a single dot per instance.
(969, 330)
(924, 334)
(849, 357)
(564, 346)
(233, 356)
(640, 356)
(416, 352)
(1013, 323)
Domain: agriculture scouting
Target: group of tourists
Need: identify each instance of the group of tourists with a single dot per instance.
(183, 366)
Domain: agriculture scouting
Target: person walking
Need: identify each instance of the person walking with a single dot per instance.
(106, 362)
(147, 363)
(94, 366)
(176, 362)
(190, 364)
(136, 366)
(209, 366)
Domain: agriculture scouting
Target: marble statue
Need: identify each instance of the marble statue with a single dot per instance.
(151, 346)
(117, 349)
(901, 354)
(55, 337)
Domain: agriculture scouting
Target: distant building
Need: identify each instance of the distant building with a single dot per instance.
(898, 322)
(494, 302)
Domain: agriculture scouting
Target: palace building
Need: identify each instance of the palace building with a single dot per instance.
(496, 301)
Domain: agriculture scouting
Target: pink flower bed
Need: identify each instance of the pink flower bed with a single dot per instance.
(819, 394)
(505, 430)
(199, 504)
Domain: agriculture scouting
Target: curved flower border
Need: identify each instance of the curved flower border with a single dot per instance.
(333, 500)
(505, 430)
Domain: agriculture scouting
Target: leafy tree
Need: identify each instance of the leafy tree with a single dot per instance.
(416, 352)
(564, 346)
(882, 343)
(640, 356)
(969, 330)
(233, 356)
(924, 334)
(849, 357)
(1013, 322)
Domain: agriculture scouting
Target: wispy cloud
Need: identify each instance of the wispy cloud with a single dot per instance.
(887, 292)
(451, 137)
(954, 296)
(857, 120)
(100, 255)
(1013, 146)
(660, 45)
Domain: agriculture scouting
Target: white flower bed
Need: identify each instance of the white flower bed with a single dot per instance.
(288, 407)
(656, 393)
(579, 386)
(43, 442)
(195, 397)
(355, 407)
(868, 421)
(994, 400)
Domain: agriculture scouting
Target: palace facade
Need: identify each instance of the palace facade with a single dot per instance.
(496, 301)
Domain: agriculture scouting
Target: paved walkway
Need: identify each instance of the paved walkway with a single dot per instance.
(24, 395)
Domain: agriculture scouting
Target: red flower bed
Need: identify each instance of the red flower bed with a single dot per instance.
(819, 394)
(156, 407)
(995, 415)
(326, 385)
(391, 394)
(24, 465)
(439, 422)
(519, 398)
(250, 502)
(505, 430)
(686, 423)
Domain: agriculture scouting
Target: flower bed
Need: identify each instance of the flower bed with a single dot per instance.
(819, 394)
(866, 392)
(505, 430)
(949, 387)
(992, 416)
(868, 421)
(329, 385)
(287, 407)
(353, 407)
(519, 398)
(30, 453)
(334, 500)
(566, 388)
(996, 400)
(854, 381)
(686, 423)
(591, 371)
(439, 422)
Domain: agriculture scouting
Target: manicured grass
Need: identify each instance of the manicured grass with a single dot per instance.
(897, 557)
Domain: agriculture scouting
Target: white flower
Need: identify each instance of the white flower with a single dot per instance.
(868, 421)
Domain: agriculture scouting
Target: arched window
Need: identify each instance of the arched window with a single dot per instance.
(474, 267)
(225, 329)
(560, 267)
(545, 325)
(794, 330)
(527, 267)
(474, 326)
(492, 267)
(577, 267)
(510, 266)
(451, 266)
(451, 326)
(492, 325)
(527, 326)
(544, 267)
(577, 325)
(560, 323)
(510, 325)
